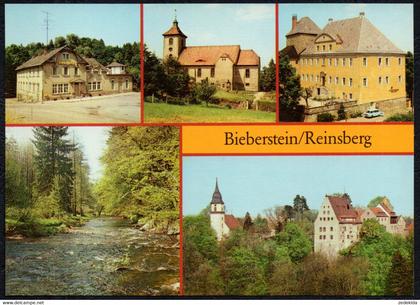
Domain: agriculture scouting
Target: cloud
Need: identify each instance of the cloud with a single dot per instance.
(255, 12)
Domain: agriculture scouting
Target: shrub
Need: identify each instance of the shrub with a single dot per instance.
(341, 112)
(204, 92)
(266, 106)
(401, 117)
(355, 114)
(325, 117)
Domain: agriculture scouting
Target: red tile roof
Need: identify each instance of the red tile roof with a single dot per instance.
(343, 209)
(248, 58)
(378, 212)
(207, 55)
(232, 222)
(174, 30)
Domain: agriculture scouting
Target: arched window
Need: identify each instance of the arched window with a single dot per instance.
(171, 41)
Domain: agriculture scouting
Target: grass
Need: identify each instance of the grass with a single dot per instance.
(167, 113)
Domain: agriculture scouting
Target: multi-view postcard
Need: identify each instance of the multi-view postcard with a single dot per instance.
(209, 151)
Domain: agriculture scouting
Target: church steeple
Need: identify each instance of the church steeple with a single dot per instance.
(217, 196)
(174, 41)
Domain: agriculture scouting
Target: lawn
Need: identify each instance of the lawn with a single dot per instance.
(167, 113)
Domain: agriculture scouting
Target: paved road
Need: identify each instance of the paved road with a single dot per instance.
(119, 108)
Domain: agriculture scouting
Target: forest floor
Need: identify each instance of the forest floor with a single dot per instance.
(160, 113)
(118, 108)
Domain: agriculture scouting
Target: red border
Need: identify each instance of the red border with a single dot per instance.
(181, 242)
(295, 154)
(277, 56)
(141, 64)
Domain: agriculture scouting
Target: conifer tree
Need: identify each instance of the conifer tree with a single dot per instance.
(247, 222)
(400, 277)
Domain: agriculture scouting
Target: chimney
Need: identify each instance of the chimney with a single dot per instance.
(330, 20)
(294, 21)
(362, 14)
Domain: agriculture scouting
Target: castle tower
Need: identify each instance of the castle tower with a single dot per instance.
(217, 213)
(174, 41)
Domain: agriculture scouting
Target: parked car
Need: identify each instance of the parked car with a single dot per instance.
(372, 113)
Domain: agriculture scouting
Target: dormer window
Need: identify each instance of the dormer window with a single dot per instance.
(65, 56)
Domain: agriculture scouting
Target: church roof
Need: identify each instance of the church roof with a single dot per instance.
(209, 55)
(217, 196)
(343, 209)
(232, 222)
(357, 35)
(305, 26)
(174, 30)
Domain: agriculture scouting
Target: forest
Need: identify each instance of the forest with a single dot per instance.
(49, 190)
(128, 54)
(250, 262)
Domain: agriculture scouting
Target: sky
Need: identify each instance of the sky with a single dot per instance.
(116, 24)
(92, 140)
(393, 20)
(252, 26)
(253, 184)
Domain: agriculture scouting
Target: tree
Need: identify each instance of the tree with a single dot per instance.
(268, 77)
(341, 113)
(409, 74)
(290, 90)
(177, 79)
(307, 94)
(59, 41)
(247, 222)
(300, 205)
(400, 276)
(295, 242)
(154, 74)
(380, 200)
(204, 91)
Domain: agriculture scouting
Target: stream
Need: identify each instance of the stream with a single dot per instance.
(106, 256)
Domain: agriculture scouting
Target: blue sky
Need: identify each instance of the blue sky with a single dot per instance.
(393, 20)
(254, 184)
(250, 25)
(92, 140)
(116, 24)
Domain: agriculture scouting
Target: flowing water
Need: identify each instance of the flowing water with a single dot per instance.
(106, 256)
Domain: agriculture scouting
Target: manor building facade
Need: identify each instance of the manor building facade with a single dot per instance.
(221, 222)
(63, 74)
(226, 66)
(338, 223)
(349, 60)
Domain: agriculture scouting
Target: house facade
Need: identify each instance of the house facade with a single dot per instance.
(64, 74)
(221, 222)
(338, 223)
(348, 60)
(227, 66)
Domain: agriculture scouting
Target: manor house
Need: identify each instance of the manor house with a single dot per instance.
(64, 74)
(349, 60)
(338, 223)
(221, 223)
(228, 67)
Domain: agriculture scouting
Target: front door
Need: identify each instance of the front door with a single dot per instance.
(119, 86)
(76, 88)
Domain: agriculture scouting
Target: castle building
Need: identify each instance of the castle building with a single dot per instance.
(221, 223)
(63, 74)
(228, 67)
(338, 223)
(348, 60)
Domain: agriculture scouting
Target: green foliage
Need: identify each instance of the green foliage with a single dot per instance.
(400, 276)
(300, 205)
(401, 117)
(294, 239)
(341, 113)
(290, 89)
(268, 77)
(247, 222)
(204, 91)
(176, 80)
(325, 117)
(375, 201)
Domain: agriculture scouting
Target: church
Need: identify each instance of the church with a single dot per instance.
(221, 222)
(228, 67)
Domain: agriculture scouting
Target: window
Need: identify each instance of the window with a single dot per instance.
(98, 85)
(365, 82)
(316, 78)
(112, 85)
(336, 80)
(399, 78)
(66, 71)
(386, 61)
(344, 62)
(330, 80)
(364, 61)
(171, 41)
(399, 60)
(386, 80)
(323, 48)
(323, 61)
(212, 72)
(350, 96)
(330, 61)
(330, 47)
(247, 73)
(65, 88)
(344, 81)
(350, 82)
(331, 229)
(126, 84)
(380, 61)
(320, 236)
(320, 229)
(65, 56)
(379, 80)
(310, 61)
(76, 71)
(94, 86)
(350, 62)
(170, 49)
(331, 237)
(316, 61)
(317, 48)
(336, 62)
(54, 70)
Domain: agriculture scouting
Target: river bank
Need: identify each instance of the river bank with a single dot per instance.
(106, 256)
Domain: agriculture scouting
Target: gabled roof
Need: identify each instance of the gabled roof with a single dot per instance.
(343, 209)
(208, 55)
(93, 63)
(357, 35)
(217, 196)
(248, 58)
(305, 25)
(232, 222)
(290, 51)
(41, 59)
(386, 205)
(115, 64)
(378, 212)
(174, 30)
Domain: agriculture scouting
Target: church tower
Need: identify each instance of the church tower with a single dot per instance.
(174, 41)
(217, 213)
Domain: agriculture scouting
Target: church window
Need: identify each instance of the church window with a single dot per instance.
(199, 72)
(170, 49)
(170, 55)
(212, 72)
(364, 61)
(171, 41)
(247, 73)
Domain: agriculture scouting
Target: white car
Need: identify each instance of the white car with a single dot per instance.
(372, 113)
